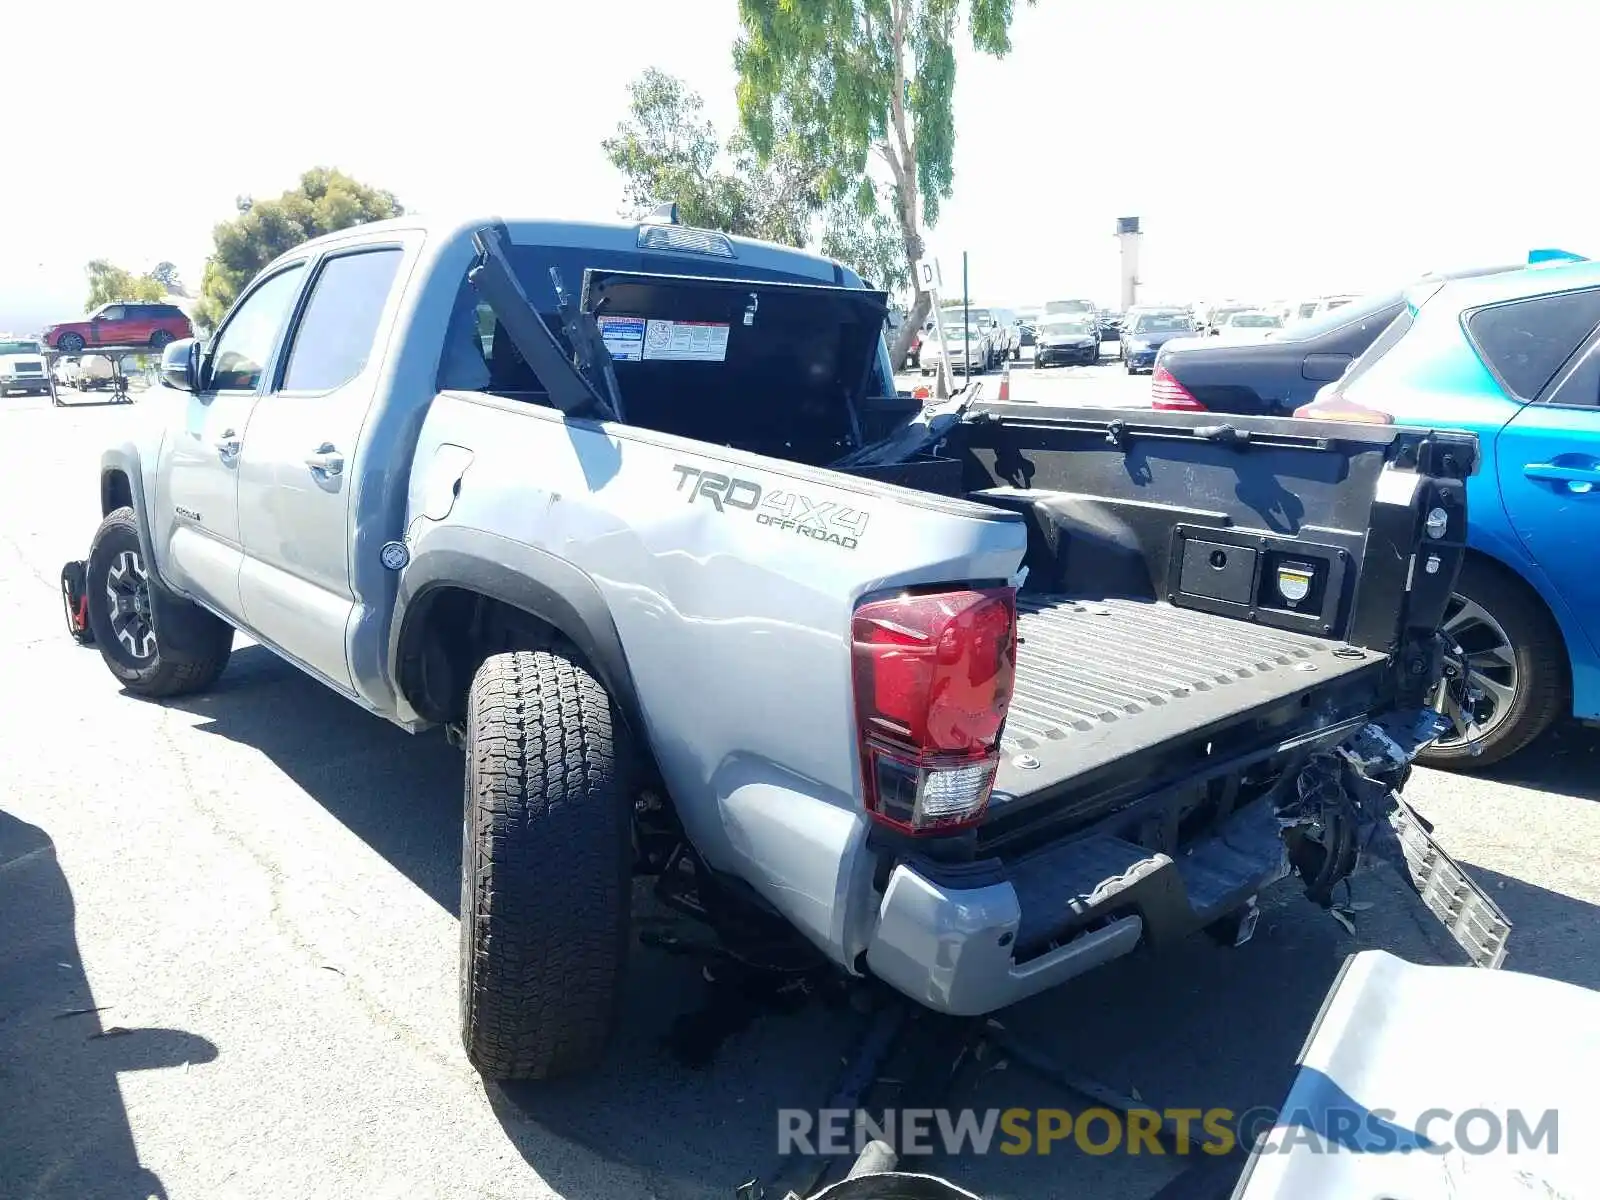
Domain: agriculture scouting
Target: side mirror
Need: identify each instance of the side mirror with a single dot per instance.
(180, 365)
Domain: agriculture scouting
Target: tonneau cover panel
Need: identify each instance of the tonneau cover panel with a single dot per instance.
(780, 368)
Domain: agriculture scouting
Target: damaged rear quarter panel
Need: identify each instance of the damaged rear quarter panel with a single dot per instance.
(731, 580)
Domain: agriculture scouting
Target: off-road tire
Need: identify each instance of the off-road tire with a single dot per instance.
(1542, 668)
(168, 672)
(546, 867)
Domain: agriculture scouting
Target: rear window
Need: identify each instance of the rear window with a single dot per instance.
(1377, 311)
(1525, 342)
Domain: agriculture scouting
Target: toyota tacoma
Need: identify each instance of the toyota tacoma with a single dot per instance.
(968, 698)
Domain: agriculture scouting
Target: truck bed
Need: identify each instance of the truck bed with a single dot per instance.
(1101, 679)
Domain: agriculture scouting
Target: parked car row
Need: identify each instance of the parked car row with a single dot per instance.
(985, 337)
(1512, 354)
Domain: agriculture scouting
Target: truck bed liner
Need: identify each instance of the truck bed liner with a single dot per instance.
(1100, 679)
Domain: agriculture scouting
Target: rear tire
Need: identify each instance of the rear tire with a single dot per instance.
(124, 628)
(1538, 658)
(160, 339)
(546, 872)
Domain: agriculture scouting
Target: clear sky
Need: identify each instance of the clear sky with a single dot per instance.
(1271, 149)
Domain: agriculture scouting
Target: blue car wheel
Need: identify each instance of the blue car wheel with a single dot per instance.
(1515, 659)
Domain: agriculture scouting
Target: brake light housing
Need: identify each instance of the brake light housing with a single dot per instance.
(934, 674)
(1167, 393)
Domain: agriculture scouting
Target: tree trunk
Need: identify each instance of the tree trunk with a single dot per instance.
(923, 302)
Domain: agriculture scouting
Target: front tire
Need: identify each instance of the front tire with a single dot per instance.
(121, 617)
(160, 339)
(546, 870)
(70, 343)
(1515, 653)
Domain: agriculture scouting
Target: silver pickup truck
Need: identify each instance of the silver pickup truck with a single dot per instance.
(970, 698)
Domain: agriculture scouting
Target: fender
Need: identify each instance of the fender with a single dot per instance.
(1582, 660)
(531, 580)
(164, 601)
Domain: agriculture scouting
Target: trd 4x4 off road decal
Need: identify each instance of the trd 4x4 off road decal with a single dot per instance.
(821, 521)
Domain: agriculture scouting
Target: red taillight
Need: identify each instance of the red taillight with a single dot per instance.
(933, 679)
(1166, 392)
(1340, 409)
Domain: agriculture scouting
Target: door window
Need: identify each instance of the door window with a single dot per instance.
(1525, 342)
(242, 348)
(1578, 386)
(336, 333)
(113, 313)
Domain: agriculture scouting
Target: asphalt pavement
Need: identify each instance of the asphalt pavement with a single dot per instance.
(228, 944)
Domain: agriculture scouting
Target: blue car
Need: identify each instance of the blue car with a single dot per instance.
(1515, 358)
(1145, 332)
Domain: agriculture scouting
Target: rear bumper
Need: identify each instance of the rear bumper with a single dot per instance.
(19, 383)
(1061, 912)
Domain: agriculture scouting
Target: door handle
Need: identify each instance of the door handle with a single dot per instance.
(229, 445)
(1553, 473)
(326, 460)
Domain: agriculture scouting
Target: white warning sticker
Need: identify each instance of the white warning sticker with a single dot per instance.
(624, 336)
(687, 341)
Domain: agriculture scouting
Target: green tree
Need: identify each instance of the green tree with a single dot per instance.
(325, 200)
(666, 149)
(865, 81)
(166, 274)
(109, 282)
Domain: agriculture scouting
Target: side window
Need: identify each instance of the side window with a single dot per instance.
(240, 353)
(1525, 342)
(335, 335)
(1579, 384)
(115, 313)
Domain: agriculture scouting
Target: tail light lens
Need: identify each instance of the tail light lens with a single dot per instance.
(1337, 408)
(933, 680)
(1166, 392)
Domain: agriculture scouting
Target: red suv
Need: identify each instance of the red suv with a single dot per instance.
(121, 324)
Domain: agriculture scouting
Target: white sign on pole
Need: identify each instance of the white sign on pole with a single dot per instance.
(930, 281)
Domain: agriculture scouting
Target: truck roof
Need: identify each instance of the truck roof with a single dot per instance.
(607, 235)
